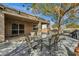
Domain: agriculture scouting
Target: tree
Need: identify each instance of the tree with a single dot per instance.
(55, 26)
(57, 11)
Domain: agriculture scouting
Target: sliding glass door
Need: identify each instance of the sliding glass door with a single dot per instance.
(17, 29)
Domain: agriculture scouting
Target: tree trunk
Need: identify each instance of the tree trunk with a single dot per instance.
(57, 36)
(50, 46)
(41, 44)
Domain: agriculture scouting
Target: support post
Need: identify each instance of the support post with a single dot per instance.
(2, 27)
(39, 29)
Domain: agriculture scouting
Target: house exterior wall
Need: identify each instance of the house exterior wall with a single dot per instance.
(2, 27)
(8, 25)
(9, 16)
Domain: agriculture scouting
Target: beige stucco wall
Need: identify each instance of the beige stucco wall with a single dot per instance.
(2, 32)
(9, 22)
(12, 16)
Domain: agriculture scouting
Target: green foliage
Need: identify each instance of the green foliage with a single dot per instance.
(57, 11)
(72, 25)
(55, 26)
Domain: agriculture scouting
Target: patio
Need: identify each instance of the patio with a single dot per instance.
(40, 46)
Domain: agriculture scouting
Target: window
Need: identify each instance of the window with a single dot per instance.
(21, 26)
(35, 27)
(17, 29)
(44, 26)
(14, 28)
(21, 29)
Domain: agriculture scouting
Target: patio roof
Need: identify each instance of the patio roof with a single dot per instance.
(27, 18)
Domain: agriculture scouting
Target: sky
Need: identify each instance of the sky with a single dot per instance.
(23, 7)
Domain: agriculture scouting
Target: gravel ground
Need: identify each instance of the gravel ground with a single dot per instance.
(66, 47)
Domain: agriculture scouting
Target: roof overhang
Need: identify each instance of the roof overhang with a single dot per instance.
(24, 18)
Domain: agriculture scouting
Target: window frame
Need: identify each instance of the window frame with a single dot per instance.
(34, 27)
(18, 29)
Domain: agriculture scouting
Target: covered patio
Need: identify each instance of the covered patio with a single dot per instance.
(17, 25)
